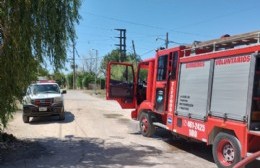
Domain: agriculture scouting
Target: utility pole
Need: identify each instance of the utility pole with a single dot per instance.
(96, 70)
(167, 40)
(133, 44)
(90, 64)
(122, 44)
(74, 67)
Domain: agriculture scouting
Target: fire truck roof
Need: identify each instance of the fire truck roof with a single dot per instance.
(229, 41)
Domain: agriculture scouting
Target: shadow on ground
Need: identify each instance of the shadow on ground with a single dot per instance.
(196, 148)
(199, 149)
(176, 144)
(78, 152)
(69, 117)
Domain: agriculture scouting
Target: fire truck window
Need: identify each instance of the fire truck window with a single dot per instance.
(162, 68)
(121, 82)
(174, 65)
(122, 73)
(142, 76)
(142, 85)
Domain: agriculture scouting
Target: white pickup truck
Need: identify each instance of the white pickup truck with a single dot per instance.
(43, 98)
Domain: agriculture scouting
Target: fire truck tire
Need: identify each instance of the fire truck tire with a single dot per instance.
(26, 119)
(226, 150)
(146, 126)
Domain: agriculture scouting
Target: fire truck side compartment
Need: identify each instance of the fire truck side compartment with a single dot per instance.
(220, 87)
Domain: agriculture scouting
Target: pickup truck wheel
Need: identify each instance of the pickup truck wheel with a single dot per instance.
(226, 150)
(26, 119)
(146, 126)
(62, 115)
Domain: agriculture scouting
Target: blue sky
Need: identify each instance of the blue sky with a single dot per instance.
(147, 20)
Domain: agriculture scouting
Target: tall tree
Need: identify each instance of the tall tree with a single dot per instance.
(31, 33)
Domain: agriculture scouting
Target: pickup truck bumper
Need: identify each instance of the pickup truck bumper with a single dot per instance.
(36, 111)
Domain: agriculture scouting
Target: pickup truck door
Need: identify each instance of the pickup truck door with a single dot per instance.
(120, 84)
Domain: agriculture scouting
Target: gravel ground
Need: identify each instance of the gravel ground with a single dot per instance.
(96, 133)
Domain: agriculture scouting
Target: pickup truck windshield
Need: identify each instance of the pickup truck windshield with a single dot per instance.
(46, 88)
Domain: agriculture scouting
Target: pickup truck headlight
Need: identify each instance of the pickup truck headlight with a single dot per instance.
(57, 99)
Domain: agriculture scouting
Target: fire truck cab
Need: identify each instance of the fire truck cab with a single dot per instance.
(208, 91)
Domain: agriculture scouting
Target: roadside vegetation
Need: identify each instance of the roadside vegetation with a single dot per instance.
(35, 35)
(89, 78)
(32, 35)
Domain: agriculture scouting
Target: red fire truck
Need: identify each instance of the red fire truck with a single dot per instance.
(208, 91)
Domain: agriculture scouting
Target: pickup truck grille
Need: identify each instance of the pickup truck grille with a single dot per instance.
(43, 102)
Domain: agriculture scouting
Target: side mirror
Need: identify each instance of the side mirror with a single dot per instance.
(23, 93)
(64, 92)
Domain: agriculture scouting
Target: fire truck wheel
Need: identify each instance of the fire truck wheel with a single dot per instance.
(146, 126)
(226, 150)
(26, 119)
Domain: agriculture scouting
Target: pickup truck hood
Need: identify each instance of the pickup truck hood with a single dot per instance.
(45, 95)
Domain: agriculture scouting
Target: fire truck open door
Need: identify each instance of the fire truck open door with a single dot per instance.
(120, 84)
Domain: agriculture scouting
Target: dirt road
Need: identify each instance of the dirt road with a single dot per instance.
(97, 133)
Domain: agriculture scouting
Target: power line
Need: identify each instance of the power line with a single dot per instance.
(77, 52)
(97, 40)
(214, 18)
(89, 58)
(147, 36)
(130, 32)
(140, 24)
(148, 52)
(96, 27)
(175, 29)
(120, 20)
